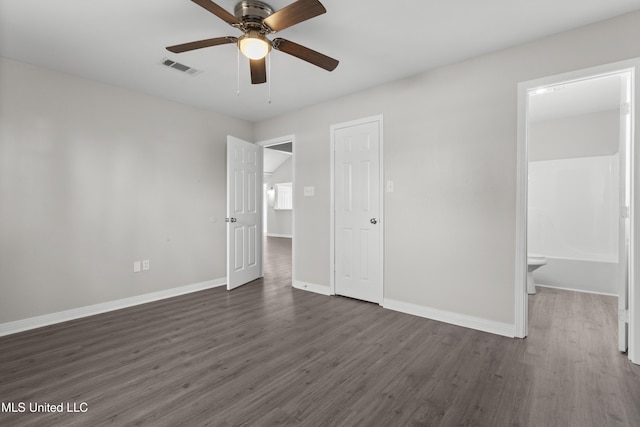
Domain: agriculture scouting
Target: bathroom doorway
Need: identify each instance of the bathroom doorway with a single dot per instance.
(575, 163)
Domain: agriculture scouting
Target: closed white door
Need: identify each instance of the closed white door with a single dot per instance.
(244, 212)
(357, 206)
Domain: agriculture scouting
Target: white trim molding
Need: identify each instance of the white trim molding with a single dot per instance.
(541, 285)
(91, 310)
(477, 323)
(312, 287)
(277, 141)
(521, 310)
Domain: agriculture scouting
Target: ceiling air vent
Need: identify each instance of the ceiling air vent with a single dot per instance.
(180, 67)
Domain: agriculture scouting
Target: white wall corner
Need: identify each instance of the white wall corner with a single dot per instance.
(91, 310)
(477, 323)
(312, 287)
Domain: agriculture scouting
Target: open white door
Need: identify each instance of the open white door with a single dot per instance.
(244, 212)
(357, 210)
(625, 202)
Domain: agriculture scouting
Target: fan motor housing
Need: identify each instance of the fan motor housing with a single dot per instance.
(251, 11)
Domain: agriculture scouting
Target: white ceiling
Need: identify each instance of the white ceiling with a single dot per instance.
(121, 42)
(273, 159)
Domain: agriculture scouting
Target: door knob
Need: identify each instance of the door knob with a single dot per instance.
(230, 219)
(233, 220)
(373, 221)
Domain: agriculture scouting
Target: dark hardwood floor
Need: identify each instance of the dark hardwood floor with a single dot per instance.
(267, 354)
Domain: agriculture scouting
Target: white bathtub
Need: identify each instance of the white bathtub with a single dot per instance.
(573, 221)
(579, 275)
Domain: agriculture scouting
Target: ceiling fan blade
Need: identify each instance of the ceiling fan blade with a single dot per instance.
(306, 54)
(294, 14)
(179, 48)
(218, 11)
(258, 71)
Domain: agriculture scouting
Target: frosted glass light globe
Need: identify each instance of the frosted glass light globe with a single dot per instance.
(254, 46)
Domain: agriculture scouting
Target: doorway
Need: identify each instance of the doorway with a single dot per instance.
(563, 144)
(279, 209)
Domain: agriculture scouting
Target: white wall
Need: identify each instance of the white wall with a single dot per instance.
(594, 134)
(92, 178)
(280, 222)
(450, 147)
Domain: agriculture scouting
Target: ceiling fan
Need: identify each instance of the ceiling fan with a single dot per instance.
(256, 20)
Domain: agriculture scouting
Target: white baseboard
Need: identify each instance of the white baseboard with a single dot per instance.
(498, 328)
(286, 236)
(311, 287)
(90, 310)
(575, 290)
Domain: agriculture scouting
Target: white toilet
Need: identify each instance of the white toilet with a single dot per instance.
(534, 261)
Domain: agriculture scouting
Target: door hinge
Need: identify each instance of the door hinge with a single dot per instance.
(623, 315)
(625, 212)
(625, 109)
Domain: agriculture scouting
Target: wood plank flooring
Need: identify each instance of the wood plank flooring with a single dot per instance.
(266, 354)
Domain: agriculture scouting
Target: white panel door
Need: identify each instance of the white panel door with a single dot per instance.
(357, 203)
(244, 212)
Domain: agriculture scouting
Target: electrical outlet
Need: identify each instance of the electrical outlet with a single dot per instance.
(145, 265)
(309, 191)
(136, 267)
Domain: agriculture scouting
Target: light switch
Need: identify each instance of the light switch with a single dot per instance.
(136, 267)
(309, 191)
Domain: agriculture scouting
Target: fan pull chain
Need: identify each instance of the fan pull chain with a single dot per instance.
(238, 80)
(269, 74)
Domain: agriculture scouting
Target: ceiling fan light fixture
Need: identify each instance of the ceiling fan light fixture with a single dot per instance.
(257, 20)
(254, 45)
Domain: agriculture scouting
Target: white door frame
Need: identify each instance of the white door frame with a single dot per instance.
(332, 214)
(521, 296)
(277, 141)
